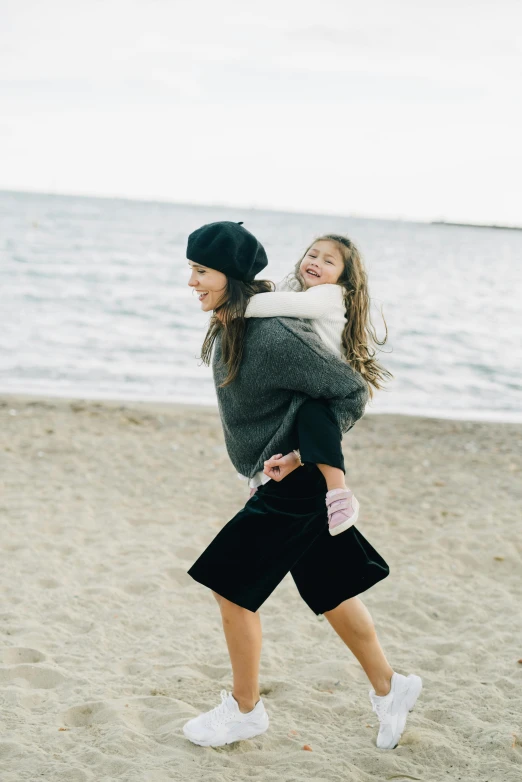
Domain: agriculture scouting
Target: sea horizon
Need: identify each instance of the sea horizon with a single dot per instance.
(436, 220)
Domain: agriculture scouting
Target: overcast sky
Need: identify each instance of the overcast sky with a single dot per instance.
(404, 109)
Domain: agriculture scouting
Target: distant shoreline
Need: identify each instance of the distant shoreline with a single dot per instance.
(479, 225)
(13, 398)
(259, 208)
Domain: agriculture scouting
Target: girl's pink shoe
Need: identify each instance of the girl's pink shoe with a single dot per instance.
(343, 510)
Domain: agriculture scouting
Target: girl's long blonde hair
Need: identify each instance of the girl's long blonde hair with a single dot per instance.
(359, 338)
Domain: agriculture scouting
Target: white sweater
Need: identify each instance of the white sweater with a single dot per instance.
(322, 305)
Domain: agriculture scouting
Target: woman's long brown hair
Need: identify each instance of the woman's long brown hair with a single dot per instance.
(229, 320)
(359, 337)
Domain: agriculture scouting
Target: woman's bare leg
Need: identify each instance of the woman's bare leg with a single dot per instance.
(353, 623)
(243, 636)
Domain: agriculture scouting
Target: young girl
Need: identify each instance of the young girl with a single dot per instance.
(329, 288)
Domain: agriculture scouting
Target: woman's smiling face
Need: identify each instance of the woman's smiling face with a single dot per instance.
(323, 263)
(209, 284)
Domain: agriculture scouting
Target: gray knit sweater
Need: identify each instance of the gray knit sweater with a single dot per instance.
(284, 363)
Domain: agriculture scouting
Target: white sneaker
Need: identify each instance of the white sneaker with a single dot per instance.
(226, 723)
(392, 709)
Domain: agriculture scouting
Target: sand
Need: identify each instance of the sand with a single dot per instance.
(108, 646)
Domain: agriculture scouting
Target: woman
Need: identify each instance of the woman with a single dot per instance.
(265, 370)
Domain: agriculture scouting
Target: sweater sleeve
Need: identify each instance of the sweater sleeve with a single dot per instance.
(312, 303)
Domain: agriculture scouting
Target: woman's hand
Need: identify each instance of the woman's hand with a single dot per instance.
(279, 466)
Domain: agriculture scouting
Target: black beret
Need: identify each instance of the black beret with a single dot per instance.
(228, 248)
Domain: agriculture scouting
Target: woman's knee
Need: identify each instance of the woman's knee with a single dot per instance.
(218, 598)
(232, 612)
(353, 612)
(223, 602)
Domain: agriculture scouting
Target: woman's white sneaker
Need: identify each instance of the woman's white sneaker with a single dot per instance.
(226, 723)
(392, 709)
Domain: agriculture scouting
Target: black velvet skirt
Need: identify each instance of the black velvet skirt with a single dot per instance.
(284, 528)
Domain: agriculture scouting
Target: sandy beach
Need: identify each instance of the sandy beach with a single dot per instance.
(108, 646)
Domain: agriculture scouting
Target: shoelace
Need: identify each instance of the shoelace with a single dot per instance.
(380, 707)
(218, 714)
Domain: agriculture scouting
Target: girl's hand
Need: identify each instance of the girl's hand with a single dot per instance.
(251, 493)
(279, 466)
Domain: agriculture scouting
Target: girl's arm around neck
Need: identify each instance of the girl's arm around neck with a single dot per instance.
(316, 302)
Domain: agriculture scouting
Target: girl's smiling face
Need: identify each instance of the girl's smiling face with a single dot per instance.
(209, 284)
(323, 263)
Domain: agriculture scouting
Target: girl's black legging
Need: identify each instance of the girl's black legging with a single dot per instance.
(319, 434)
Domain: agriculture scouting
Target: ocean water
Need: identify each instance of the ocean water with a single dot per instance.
(95, 303)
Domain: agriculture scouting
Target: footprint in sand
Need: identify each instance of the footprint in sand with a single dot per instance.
(144, 714)
(151, 714)
(444, 648)
(188, 552)
(20, 654)
(37, 677)
(140, 587)
(179, 575)
(210, 671)
(134, 668)
(95, 713)
(49, 583)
